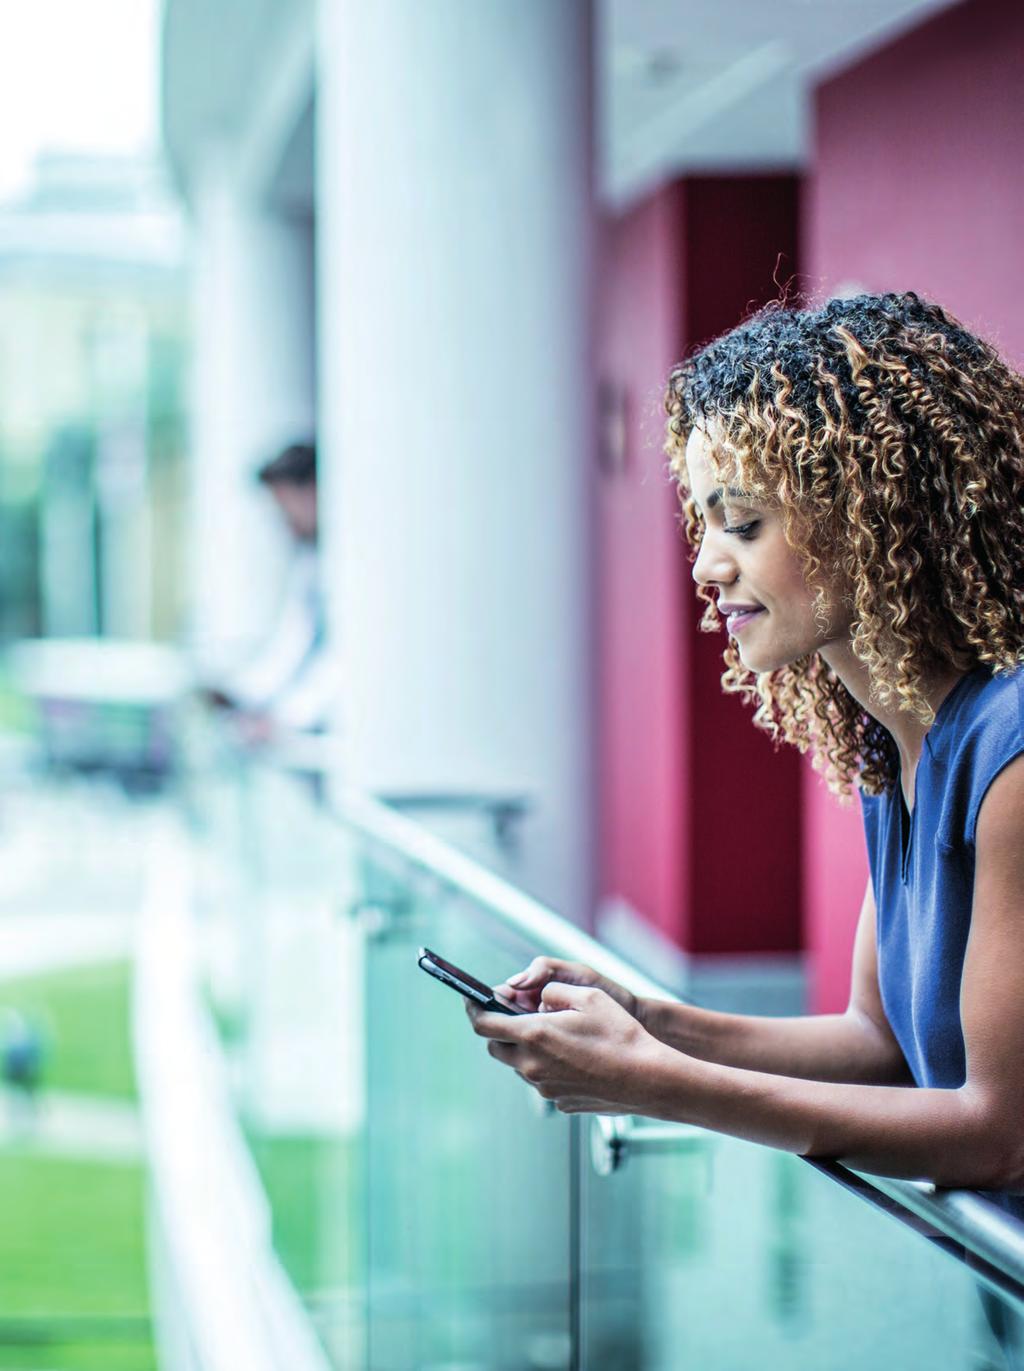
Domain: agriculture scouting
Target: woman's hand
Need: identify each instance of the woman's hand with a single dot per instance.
(583, 1050)
(527, 987)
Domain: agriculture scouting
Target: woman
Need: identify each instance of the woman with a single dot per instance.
(852, 482)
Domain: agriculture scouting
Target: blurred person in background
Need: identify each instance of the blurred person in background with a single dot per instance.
(23, 1058)
(290, 682)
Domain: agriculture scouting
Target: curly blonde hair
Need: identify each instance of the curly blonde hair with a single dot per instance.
(891, 440)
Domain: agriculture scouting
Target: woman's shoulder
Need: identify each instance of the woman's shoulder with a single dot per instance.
(978, 730)
(984, 703)
(976, 738)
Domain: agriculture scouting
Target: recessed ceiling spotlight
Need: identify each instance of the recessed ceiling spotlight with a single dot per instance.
(663, 64)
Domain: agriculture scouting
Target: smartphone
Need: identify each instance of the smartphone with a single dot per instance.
(477, 991)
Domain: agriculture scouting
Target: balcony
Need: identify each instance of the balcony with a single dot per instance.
(342, 1177)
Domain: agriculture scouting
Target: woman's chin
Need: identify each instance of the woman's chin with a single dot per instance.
(759, 662)
(756, 666)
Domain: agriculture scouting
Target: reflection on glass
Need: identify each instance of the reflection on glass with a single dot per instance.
(430, 1215)
(468, 1195)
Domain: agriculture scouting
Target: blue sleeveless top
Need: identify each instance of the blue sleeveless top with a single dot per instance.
(922, 870)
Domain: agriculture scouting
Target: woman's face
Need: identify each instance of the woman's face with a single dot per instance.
(759, 581)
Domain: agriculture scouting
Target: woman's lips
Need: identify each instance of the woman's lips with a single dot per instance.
(739, 619)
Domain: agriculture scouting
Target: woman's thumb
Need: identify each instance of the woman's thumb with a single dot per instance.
(533, 973)
(558, 995)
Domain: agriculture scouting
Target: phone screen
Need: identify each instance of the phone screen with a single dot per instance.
(450, 974)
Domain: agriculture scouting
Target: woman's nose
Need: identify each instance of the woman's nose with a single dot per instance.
(714, 564)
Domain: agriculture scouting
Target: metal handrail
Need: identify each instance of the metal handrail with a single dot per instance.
(504, 901)
(966, 1217)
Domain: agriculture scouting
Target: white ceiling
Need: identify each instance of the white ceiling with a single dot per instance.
(683, 85)
(238, 74)
(691, 85)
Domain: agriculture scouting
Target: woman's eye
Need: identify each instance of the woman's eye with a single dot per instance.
(742, 530)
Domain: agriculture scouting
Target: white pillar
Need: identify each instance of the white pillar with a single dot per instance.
(454, 231)
(253, 392)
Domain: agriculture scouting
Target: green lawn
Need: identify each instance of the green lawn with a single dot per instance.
(84, 1016)
(72, 1265)
(73, 1289)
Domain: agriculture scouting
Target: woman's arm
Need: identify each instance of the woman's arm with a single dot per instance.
(593, 1056)
(856, 1046)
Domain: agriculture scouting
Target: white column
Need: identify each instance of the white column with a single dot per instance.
(454, 230)
(253, 392)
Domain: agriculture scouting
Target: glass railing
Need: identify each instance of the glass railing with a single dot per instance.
(431, 1214)
(282, 978)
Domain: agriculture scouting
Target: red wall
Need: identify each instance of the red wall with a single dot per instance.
(917, 184)
(740, 247)
(918, 179)
(700, 820)
(642, 574)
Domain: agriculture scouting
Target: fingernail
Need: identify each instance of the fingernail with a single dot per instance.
(515, 980)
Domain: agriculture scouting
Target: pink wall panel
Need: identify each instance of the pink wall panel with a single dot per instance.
(917, 185)
(917, 182)
(835, 870)
(642, 569)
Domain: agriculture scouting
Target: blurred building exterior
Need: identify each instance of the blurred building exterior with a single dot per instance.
(92, 358)
(465, 244)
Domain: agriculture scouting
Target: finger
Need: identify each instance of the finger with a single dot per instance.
(509, 1028)
(540, 970)
(503, 1052)
(506, 990)
(557, 995)
(473, 1008)
(523, 999)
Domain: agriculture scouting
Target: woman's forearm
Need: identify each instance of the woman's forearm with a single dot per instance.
(946, 1136)
(827, 1047)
